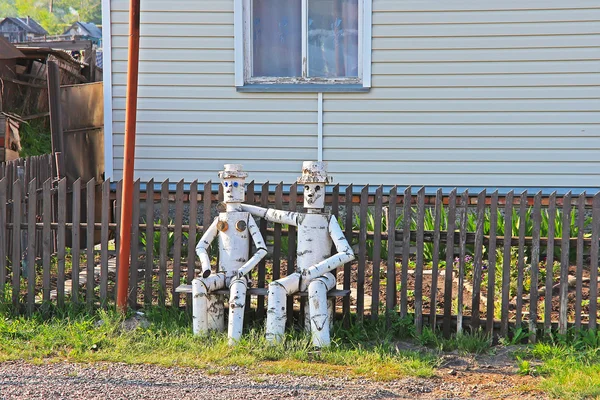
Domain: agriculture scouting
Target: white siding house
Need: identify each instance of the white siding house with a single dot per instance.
(494, 93)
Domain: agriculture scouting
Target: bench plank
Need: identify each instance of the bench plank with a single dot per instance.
(264, 291)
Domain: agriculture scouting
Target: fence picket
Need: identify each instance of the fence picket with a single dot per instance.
(291, 250)
(90, 218)
(149, 242)
(47, 239)
(177, 241)
(579, 261)
(549, 262)
(594, 261)
(564, 264)
(191, 241)
(450, 239)
(535, 266)
(104, 243)
(135, 246)
(164, 237)
(40, 201)
(419, 265)
(506, 258)
(3, 233)
(407, 211)
(61, 241)
(264, 202)
(75, 241)
(390, 287)
(16, 243)
(436, 258)
(464, 202)
(478, 262)
(277, 234)
(31, 245)
(118, 231)
(521, 258)
(378, 213)
(347, 266)
(362, 253)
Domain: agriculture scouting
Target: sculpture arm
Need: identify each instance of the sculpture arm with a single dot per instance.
(273, 215)
(344, 253)
(261, 248)
(203, 245)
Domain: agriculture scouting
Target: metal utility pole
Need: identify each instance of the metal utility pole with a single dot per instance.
(128, 162)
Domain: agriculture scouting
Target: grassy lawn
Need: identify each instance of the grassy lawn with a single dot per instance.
(168, 341)
(567, 367)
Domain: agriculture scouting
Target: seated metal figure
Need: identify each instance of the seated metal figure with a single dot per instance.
(234, 228)
(316, 233)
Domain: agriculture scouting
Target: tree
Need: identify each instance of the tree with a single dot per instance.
(54, 15)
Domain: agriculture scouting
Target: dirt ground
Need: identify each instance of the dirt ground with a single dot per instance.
(459, 377)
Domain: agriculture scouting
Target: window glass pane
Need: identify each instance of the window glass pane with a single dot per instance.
(277, 38)
(333, 38)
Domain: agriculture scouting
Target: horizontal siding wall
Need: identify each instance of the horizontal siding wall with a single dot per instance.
(474, 93)
(469, 93)
(191, 120)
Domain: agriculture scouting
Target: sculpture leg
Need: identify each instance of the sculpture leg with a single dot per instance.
(276, 311)
(207, 309)
(237, 302)
(318, 307)
(199, 307)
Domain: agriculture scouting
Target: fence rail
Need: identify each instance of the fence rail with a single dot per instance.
(467, 261)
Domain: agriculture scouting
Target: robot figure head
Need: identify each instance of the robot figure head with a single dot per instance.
(314, 178)
(233, 178)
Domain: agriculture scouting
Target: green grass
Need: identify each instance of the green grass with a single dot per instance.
(569, 366)
(78, 337)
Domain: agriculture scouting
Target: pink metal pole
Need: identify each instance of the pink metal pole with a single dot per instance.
(128, 162)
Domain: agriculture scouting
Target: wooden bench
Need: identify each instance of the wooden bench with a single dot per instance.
(263, 292)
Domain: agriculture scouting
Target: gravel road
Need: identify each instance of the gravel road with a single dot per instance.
(21, 380)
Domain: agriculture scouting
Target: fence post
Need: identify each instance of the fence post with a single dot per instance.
(378, 212)
(436, 258)
(564, 263)
(521, 258)
(390, 295)
(450, 238)
(419, 265)
(164, 232)
(90, 221)
(478, 262)
(177, 242)
(535, 266)
(549, 262)
(31, 246)
(405, 251)
(3, 236)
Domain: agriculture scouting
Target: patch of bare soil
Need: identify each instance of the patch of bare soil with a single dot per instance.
(490, 376)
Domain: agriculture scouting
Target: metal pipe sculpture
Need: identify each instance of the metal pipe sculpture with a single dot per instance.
(316, 233)
(233, 227)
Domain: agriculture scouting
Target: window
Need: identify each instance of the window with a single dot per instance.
(303, 44)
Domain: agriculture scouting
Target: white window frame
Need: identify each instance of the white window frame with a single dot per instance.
(243, 50)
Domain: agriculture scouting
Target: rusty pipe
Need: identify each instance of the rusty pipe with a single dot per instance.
(129, 157)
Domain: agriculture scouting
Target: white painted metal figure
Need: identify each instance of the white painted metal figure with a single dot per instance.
(316, 233)
(234, 229)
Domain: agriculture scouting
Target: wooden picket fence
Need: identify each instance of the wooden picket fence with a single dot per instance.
(474, 278)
